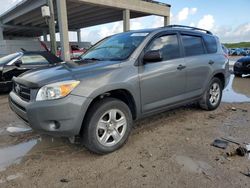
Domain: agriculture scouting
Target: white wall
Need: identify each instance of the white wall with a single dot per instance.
(12, 46)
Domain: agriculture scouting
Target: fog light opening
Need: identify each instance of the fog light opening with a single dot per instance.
(54, 125)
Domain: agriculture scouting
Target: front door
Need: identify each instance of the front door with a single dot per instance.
(163, 83)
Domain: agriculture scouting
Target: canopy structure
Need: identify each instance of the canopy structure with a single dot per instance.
(25, 19)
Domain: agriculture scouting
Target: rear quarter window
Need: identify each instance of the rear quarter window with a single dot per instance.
(211, 44)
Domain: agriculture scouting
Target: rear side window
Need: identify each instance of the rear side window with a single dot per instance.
(168, 45)
(34, 59)
(211, 44)
(192, 45)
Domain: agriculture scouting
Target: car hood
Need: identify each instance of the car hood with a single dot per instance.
(62, 72)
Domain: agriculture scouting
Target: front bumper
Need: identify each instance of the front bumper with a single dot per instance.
(5, 85)
(62, 117)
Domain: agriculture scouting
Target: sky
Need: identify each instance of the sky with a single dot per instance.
(228, 19)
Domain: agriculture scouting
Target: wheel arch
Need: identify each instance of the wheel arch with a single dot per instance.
(222, 78)
(120, 94)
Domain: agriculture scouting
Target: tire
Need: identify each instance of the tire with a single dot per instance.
(102, 133)
(209, 102)
(238, 75)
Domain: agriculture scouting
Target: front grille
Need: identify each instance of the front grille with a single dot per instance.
(18, 106)
(22, 91)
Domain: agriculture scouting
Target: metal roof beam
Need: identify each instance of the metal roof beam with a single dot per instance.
(21, 10)
(33, 20)
(83, 11)
(97, 21)
(132, 5)
(23, 27)
(27, 17)
(93, 15)
(102, 19)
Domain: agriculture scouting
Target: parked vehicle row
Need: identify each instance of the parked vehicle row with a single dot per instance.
(120, 79)
(75, 50)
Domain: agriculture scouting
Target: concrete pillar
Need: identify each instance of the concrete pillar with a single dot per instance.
(126, 20)
(52, 27)
(63, 28)
(45, 38)
(1, 34)
(79, 36)
(166, 20)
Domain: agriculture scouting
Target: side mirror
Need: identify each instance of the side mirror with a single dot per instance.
(18, 63)
(152, 56)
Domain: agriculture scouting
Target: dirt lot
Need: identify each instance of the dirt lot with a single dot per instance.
(172, 149)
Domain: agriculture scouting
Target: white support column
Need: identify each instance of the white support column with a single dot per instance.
(63, 28)
(52, 27)
(166, 20)
(45, 38)
(126, 20)
(79, 36)
(1, 34)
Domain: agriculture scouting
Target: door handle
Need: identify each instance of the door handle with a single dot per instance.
(211, 62)
(180, 67)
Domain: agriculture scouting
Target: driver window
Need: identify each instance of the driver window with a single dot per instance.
(168, 45)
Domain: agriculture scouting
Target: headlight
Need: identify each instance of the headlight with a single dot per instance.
(56, 90)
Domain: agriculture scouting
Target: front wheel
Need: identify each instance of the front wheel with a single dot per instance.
(212, 97)
(107, 126)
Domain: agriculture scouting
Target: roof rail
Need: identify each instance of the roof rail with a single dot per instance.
(191, 28)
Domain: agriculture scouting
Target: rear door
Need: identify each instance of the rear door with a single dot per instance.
(163, 83)
(198, 62)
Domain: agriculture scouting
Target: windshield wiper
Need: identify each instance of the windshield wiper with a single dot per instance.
(90, 59)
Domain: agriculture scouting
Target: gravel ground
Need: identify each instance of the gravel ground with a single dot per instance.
(171, 149)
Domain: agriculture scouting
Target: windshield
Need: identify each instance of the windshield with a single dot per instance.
(117, 47)
(8, 58)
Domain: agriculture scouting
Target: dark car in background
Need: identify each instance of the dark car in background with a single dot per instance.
(20, 62)
(242, 66)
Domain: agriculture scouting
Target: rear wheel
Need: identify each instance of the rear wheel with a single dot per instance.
(212, 97)
(107, 126)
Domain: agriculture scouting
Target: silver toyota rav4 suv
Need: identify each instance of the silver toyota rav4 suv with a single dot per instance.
(120, 79)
